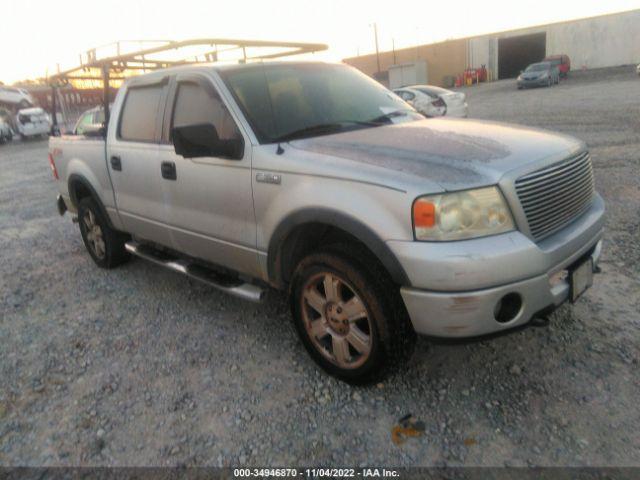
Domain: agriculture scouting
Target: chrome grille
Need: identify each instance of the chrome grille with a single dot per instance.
(554, 196)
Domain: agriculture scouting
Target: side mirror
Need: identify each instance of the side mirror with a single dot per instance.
(201, 140)
(94, 131)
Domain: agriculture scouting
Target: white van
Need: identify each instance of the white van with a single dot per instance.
(31, 122)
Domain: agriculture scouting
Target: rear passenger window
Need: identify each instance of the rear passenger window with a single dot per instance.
(196, 105)
(140, 114)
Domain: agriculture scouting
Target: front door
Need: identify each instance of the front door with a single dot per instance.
(209, 200)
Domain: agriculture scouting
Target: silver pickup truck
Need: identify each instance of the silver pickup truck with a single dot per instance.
(313, 178)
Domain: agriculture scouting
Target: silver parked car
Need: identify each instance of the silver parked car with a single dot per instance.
(314, 179)
(543, 74)
(434, 101)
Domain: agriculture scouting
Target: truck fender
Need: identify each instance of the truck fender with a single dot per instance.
(338, 220)
(76, 180)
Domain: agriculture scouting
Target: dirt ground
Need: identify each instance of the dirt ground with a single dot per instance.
(139, 366)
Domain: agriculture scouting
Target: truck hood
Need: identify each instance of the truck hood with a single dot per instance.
(455, 153)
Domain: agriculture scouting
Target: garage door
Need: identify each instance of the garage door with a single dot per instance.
(515, 53)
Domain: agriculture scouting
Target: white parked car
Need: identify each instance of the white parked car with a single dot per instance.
(32, 122)
(6, 134)
(16, 96)
(435, 101)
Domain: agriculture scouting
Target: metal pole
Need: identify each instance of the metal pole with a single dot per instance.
(375, 33)
(54, 126)
(105, 93)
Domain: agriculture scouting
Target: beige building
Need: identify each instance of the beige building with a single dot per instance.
(596, 42)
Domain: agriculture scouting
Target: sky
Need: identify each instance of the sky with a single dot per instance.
(36, 35)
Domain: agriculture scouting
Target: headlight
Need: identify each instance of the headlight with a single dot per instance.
(460, 215)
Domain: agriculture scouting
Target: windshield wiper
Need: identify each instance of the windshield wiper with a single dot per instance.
(324, 129)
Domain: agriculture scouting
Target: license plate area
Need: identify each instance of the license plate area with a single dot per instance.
(581, 278)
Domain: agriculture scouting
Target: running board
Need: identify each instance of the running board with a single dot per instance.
(234, 287)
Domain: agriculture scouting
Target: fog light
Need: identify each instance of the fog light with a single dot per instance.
(508, 307)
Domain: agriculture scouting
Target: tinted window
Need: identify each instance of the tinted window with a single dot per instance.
(195, 104)
(281, 99)
(139, 114)
(537, 67)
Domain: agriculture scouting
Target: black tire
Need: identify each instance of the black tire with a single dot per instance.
(391, 336)
(112, 253)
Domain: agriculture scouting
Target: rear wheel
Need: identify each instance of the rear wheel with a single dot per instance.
(104, 244)
(349, 315)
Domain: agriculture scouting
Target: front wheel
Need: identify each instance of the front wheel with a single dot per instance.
(104, 244)
(349, 315)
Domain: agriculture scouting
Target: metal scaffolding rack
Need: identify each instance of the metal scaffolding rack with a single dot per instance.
(115, 62)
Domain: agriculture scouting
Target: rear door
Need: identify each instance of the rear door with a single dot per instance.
(209, 200)
(134, 163)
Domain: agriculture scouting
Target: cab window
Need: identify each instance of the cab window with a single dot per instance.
(195, 104)
(140, 114)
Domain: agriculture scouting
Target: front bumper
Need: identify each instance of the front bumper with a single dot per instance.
(538, 82)
(471, 314)
(455, 286)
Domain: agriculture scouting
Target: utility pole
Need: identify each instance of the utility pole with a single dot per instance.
(375, 34)
(393, 46)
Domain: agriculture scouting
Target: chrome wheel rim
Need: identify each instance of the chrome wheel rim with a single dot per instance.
(336, 320)
(94, 234)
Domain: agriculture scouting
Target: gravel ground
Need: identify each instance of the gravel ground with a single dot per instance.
(139, 366)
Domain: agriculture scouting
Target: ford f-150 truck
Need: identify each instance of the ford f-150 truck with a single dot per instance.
(313, 178)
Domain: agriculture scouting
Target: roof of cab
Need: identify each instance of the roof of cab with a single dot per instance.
(158, 74)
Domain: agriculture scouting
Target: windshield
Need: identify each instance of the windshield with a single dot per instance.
(285, 99)
(537, 67)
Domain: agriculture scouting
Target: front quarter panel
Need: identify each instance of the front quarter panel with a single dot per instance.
(310, 183)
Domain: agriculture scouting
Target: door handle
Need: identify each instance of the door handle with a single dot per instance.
(116, 163)
(168, 170)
